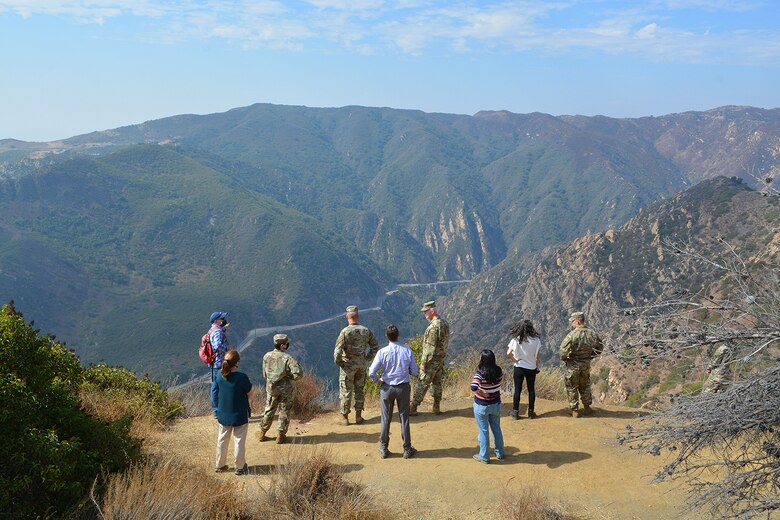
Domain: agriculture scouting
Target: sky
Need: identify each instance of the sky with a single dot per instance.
(74, 66)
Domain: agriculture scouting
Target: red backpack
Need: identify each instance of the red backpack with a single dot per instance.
(205, 352)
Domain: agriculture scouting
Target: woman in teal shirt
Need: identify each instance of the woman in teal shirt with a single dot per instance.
(230, 402)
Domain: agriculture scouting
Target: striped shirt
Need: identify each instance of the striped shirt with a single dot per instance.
(486, 393)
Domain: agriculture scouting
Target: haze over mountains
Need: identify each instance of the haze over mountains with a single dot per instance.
(122, 241)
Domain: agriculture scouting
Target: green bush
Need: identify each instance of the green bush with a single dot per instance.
(52, 450)
(135, 395)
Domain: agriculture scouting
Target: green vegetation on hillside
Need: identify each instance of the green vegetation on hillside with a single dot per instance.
(54, 446)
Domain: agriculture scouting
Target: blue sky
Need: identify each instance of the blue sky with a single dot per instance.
(74, 66)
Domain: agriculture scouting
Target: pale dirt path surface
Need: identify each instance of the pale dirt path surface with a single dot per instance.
(574, 461)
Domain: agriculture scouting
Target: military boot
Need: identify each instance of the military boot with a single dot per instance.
(345, 419)
(575, 413)
(280, 437)
(437, 407)
(413, 409)
(586, 409)
(359, 417)
(263, 437)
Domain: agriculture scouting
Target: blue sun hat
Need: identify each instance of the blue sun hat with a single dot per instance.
(216, 315)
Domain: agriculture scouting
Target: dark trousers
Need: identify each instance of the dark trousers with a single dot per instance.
(530, 378)
(389, 395)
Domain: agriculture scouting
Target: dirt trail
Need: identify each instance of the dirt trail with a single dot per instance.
(574, 461)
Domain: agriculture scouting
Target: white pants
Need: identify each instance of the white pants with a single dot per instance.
(239, 444)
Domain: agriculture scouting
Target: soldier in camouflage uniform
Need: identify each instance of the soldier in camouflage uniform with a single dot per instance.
(577, 349)
(279, 370)
(435, 341)
(356, 347)
(719, 370)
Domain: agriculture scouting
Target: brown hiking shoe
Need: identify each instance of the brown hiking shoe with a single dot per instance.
(436, 408)
(280, 437)
(263, 437)
(413, 409)
(587, 410)
(359, 418)
(345, 419)
(575, 413)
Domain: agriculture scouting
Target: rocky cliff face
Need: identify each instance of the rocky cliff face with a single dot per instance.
(604, 273)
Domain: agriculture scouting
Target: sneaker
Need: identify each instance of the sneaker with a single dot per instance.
(514, 414)
(243, 470)
(221, 470)
(383, 453)
(531, 414)
(408, 454)
(480, 459)
(500, 457)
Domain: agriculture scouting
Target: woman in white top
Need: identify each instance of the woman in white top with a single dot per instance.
(524, 350)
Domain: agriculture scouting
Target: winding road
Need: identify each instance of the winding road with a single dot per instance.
(253, 334)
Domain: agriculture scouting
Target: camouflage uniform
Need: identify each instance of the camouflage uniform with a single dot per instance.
(720, 370)
(356, 346)
(279, 370)
(577, 349)
(435, 341)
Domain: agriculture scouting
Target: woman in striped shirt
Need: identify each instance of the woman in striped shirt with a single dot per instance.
(486, 386)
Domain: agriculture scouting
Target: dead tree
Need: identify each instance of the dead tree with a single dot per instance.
(725, 444)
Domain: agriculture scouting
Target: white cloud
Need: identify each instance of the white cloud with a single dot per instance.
(648, 30)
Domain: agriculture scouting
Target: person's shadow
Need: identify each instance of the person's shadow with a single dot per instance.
(335, 437)
(552, 459)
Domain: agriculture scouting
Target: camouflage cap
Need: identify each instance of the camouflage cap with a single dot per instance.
(352, 308)
(577, 316)
(428, 305)
(279, 339)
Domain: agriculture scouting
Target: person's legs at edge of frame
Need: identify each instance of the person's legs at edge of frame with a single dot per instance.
(517, 376)
(403, 397)
(223, 437)
(346, 391)
(584, 388)
(494, 420)
(272, 403)
(530, 381)
(420, 388)
(285, 405)
(481, 416)
(571, 381)
(437, 382)
(386, 402)
(359, 385)
(239, 444)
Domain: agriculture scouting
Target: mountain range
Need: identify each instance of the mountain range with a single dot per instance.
(122, 241)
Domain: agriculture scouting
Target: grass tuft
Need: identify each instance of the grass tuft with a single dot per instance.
(530, 503)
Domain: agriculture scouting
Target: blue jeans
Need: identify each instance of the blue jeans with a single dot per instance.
(489, 415)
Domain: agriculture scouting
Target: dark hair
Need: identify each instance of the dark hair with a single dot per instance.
(487, 365)
(523, 330)
(231, 359)
(392, 332)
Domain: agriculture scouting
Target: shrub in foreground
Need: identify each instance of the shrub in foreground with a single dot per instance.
(52, 450)
(312, 486)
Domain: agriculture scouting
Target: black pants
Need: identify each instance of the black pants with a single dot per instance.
(530, 377)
